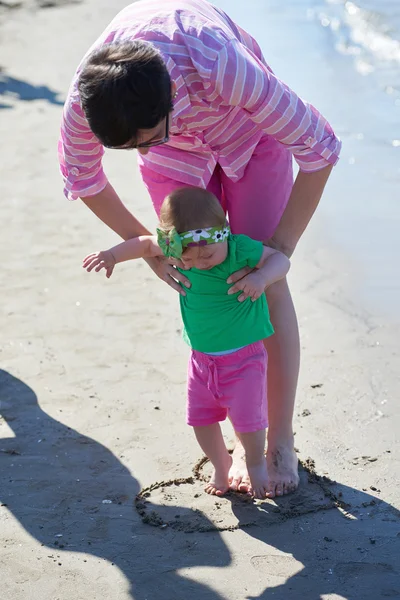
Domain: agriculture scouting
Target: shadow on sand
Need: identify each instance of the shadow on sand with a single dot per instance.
(10, 87)
(334, 541)
(53, 480)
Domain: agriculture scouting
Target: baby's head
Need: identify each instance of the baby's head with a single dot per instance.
(197, 216)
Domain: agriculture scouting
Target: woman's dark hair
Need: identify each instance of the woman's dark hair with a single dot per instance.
(123, 87)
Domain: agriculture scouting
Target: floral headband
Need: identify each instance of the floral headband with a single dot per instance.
(173, 243)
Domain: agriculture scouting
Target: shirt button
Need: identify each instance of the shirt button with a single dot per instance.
(309, 140)
(75, 171)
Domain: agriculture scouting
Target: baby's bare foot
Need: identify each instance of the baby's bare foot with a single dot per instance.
(238, 475)
(219, 482)
(259, 479)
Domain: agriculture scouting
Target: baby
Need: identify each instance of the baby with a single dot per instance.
(228, 362)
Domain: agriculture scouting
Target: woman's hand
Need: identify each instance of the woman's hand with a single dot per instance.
(100, 260)
(175, 262)
(168, 273)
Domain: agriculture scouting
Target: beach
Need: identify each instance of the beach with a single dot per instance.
(93, 371)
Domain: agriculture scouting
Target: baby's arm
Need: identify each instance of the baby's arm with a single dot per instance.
(144, 246)
(273, 266)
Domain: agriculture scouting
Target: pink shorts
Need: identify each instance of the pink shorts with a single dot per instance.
(255, 203)
(232, 385)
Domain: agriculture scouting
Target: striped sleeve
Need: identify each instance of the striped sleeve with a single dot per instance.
(241, 79)
(79, 154)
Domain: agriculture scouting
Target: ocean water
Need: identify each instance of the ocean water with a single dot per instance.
(344, 57)
(368, 32)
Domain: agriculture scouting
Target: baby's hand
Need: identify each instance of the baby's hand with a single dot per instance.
(252, 286)
(100, 260)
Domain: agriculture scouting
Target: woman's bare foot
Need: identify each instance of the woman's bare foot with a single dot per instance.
(239, 480)
(259, 479)
(282, 466)
(219, 482)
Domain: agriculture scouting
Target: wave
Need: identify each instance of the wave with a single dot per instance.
(363, 31)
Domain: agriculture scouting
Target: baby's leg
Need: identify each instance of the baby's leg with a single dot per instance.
(254, 444)
(213, 445)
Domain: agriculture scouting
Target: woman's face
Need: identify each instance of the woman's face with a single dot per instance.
(158, 135)
(153, 137)
(205, 257)
(146, 138)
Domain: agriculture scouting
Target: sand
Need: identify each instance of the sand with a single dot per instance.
(92, 392)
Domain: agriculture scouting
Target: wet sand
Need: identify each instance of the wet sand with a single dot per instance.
(93, 391)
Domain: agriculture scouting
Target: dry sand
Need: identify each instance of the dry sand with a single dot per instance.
(93, 384)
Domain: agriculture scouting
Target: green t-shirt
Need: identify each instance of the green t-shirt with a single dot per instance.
(215, 321)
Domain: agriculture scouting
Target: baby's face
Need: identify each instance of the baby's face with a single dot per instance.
(205, 257)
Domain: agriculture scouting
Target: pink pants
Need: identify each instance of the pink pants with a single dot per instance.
(255, 203)
(231, 385)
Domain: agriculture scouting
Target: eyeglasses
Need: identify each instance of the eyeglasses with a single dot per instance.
(148, 144)
(164, 140)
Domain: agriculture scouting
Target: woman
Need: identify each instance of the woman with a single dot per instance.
(191, 91)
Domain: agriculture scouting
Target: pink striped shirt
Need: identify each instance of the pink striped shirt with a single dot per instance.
(227, 99)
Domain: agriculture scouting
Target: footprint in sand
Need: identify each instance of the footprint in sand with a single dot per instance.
(277, 565)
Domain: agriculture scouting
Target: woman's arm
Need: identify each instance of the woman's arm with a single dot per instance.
(304, 199)
(291, 121)
(107, 206)
(274, 107)
(273, 266)
(80, 157)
